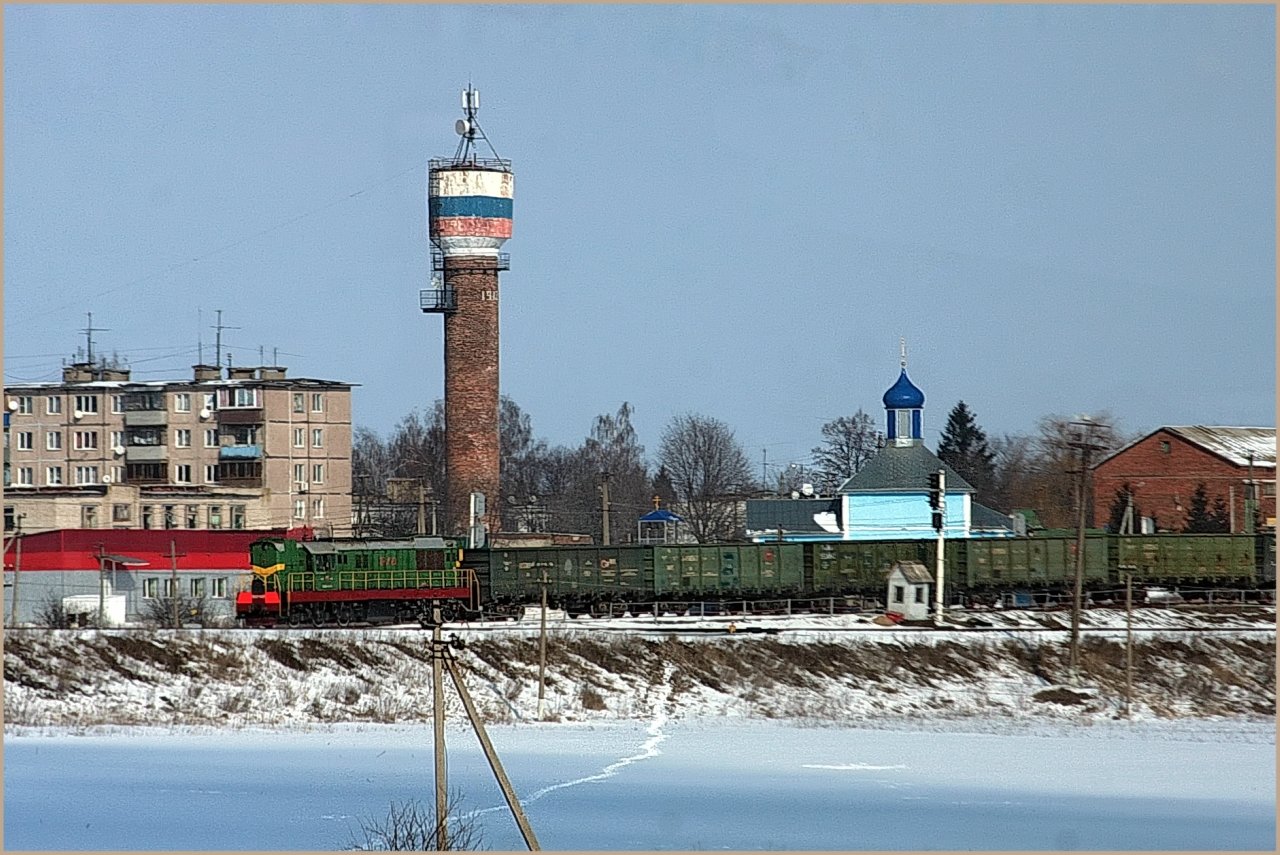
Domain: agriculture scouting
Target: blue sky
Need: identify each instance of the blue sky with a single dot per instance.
(728, 210)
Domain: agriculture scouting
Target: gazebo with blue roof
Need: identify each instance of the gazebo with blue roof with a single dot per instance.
(659, 525)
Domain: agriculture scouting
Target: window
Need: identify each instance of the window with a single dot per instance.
(218, 588)
(299, 437)
(26, 440)
(148, 516)
(53, 476)
(299, 471)
(317, 438)
(117, 439)
(120, 513)
(182, 473)
(299, 509)
(117, 404)
(237, 516)
(182, 438)
(145, 472)
(150, 588)
(86, 474)
(53, 440)
(25, 405)
(238, 398)
(193, 516)
(299, 402)
(85, 440)
(10, 518)
(211, 473)
(170, 588)
(904, 424)
(144, 436)
(899, 593)
(88, 516)
(1164, 447)
(317, 473)
(117, 474)
(317, 509)
(317, 402)
(210, 401)
(87, 403)
(144, 401)
(26, 476)
(182, 402)
(211, 438)
(53, 404)
(1268, 488)
(196, 587)
(215, 516)
(170, 516)
(919, 594)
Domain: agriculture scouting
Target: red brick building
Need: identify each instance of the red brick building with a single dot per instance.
(1164, 468)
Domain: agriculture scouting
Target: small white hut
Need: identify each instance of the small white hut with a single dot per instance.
(909, 587)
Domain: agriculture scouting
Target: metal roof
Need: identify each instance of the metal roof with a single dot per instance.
(1233, 444)
(765, 515)
(914, 572)
(330, 547)
(980, 516)
(898, 467)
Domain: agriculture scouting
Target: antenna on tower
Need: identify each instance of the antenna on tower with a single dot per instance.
(217, 347)
(469, 127)
(902, 345)
(88, 332)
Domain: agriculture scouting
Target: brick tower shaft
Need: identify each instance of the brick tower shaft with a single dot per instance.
(471, 389)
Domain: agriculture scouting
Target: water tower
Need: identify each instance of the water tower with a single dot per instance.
(469, 214)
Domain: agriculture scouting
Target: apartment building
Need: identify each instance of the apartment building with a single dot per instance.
(244, 448)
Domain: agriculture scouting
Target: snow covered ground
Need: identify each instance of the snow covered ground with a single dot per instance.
(661, 784)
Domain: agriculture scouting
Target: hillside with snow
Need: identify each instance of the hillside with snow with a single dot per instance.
(820, 668)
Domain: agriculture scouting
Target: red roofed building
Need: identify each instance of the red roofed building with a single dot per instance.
(1164, 468)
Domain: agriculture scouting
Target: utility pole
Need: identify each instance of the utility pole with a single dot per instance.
(1250, 503)
(422, 510)
(604, 508)
(542, 646)
(16, 540)
(1128, 645)
(437, 700)
(102, 583)
(173, 563)
(442, 658)
(1086, 442)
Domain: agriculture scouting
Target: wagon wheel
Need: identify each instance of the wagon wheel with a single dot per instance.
(317, 616)
(344, 615)
(449, 612)
(295, 616)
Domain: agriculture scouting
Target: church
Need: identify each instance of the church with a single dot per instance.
(888, 498)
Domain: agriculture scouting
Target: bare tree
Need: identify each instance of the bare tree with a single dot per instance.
(158, 611)
(411, 827)
(417, 447)
(710, 473)
(1014, 479)
(847, 443)
(50, 614)
(372, 462)
(616, 453)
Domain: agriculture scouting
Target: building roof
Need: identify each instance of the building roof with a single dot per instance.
(1233, 444)
(903, 468)
(914, 572)
(790, 514)
(662, 515)
(903, 394)
(980, 516)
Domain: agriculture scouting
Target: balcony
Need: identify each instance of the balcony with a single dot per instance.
(145, 453)
(146, 418)
(240, 452)
(240, 416)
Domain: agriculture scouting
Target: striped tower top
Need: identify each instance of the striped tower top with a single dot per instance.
(469, 208)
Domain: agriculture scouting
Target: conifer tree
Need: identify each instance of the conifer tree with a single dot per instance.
(964, 448)
(1202, 520)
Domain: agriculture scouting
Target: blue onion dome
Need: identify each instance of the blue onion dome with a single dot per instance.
(903, 395)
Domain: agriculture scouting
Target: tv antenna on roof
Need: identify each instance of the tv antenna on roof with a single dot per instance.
(88, 332)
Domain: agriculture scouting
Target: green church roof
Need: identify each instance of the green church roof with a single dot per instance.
(903, 468)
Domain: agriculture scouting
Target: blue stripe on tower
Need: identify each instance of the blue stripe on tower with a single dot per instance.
(470, 206)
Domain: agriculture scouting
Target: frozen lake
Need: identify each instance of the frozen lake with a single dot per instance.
(703, 784)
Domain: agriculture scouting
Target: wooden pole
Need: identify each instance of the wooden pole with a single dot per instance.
(173, 563)
(494, 763)
(437, 700)
(542, 647)
(17, 571)
(1128, 646)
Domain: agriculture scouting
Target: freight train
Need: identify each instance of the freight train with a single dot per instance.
(344, 582)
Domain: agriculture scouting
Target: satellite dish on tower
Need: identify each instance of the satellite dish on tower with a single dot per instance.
(462, 126)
